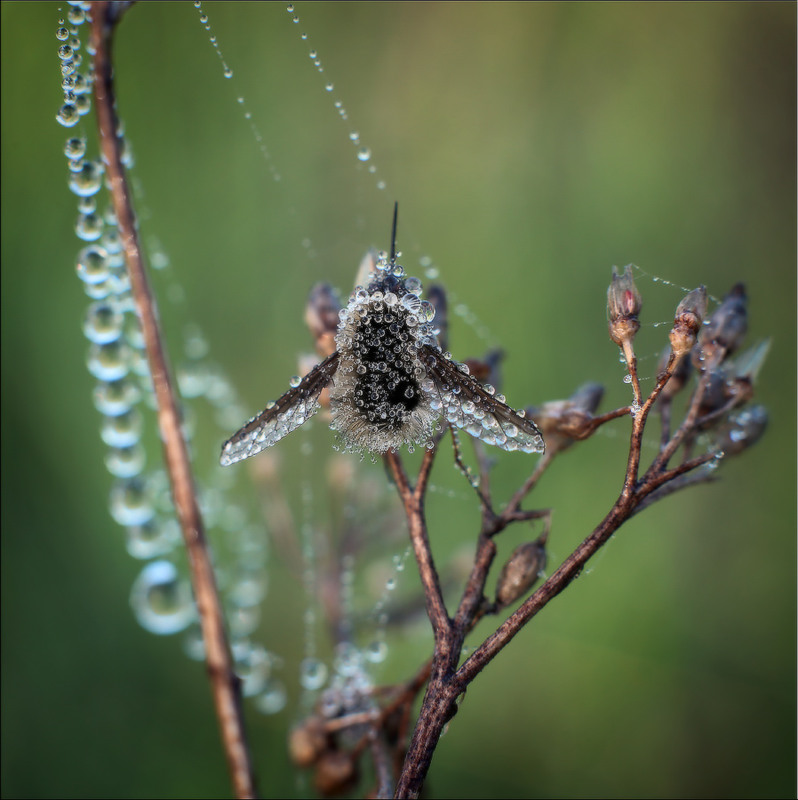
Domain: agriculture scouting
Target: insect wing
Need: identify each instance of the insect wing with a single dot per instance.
(278, 419)
(467, 405)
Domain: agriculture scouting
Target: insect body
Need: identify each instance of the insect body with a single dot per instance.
(389, 381)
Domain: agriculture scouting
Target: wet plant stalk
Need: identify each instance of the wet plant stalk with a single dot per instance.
(225, 684)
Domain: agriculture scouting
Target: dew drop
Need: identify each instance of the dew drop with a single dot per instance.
(83, 104)
(67, 115)
(125, 462)
(122, 430)
(295, 381)
(76, 15)
(254, 668)
(65, 52)
(92, 265)
(115, 397)
(109, 362)
(376, 652)
(130, 503)
(228, 73)
(355, 137)
(88, 180)
(161, 600)
(627, 378)
(274, 697)
(89, 227)
(363, 154)
(103, 323)
(62, 34)
(328, 87)
(312, 674)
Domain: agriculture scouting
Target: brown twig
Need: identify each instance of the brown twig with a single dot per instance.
(225, 684)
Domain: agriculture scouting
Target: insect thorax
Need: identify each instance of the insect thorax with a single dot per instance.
(376, 398)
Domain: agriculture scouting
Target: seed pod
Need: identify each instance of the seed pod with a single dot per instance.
(687, 321)
(623, 306)
(520, 572)
(336, 773)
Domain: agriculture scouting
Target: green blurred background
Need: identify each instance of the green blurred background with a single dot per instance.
(531, 147)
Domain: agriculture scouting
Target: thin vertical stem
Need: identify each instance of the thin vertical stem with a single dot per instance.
(225, 684)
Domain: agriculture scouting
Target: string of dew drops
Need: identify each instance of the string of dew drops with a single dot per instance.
(140, 499)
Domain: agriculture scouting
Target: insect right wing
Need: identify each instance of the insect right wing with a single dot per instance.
(278, 419)
(468, 405)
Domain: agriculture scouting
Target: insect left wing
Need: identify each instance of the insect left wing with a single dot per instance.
(467, 405)
(278, 419)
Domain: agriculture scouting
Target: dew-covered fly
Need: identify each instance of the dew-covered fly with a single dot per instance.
(389, 381)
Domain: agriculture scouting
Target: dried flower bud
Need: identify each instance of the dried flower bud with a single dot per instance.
(623, 306)
(336, 773)
(687, 321)
(562, 422)
(724, 332)
(307, 742)
(521, 571)
(742, 430)
(321, 316)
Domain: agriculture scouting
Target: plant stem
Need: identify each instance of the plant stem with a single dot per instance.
(225, 684)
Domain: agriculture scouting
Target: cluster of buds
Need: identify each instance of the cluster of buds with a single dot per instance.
(725, 384)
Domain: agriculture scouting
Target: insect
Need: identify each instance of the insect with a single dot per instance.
(389, 381)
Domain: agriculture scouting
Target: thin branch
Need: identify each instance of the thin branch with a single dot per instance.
(225, 684)
(413, 501)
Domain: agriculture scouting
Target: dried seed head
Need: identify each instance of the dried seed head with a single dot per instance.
(724, 332)
(742, 430)
(307, 741)
(336, 773)
(563, 422)
(521, 571)
(687, 321)
(623, 306)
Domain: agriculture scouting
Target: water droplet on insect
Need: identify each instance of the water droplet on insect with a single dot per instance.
(363, 154)
(295, 381)
(627, 378)
(62, 34)
(161, 600)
